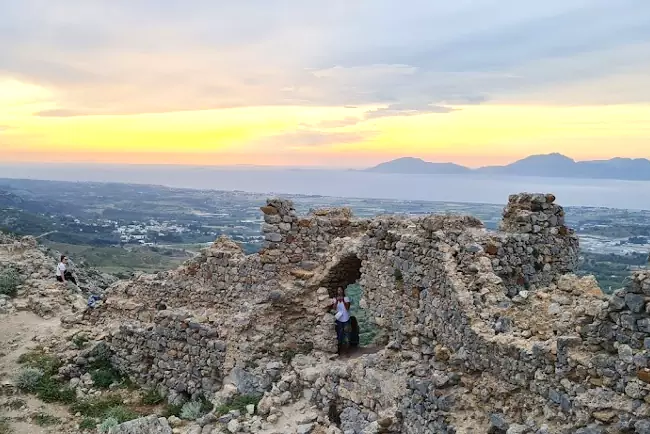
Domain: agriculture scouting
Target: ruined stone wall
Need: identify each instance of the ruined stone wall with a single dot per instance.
(222, 273)
(260, 304)
(174, 353)
(442, 257)
(627, 321)
(484, 324)
(546, 336)
(619, 338)
(534, 245)
(303, 241)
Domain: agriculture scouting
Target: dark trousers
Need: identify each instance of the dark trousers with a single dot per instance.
(341, 332)
(68, 277)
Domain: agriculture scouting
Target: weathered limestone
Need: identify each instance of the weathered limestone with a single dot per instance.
(40, 292)
(481, 330)
(145, 425)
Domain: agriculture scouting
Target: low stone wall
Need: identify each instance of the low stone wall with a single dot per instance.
(174, 352)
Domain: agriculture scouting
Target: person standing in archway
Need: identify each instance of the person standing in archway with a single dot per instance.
(341, 304)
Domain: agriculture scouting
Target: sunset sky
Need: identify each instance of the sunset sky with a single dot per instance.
(322, 83)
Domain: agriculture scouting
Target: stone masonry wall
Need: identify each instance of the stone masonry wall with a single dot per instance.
(453, 297)
(290, 239)
(535, 245)
(174, 352)
(294, 246)
(483, 328)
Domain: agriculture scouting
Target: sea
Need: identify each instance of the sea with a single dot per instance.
(348, 183)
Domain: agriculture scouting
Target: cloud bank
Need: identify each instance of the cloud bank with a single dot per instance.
(397, 58)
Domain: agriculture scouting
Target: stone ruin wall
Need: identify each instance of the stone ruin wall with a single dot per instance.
(175, 353)
(293, 245)
(430, 305)
(233, 295)
(467, 305)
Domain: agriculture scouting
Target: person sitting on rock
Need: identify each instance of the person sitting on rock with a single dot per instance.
(62, 273)
(341, 304)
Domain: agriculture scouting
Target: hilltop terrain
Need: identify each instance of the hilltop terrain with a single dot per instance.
(473, 331)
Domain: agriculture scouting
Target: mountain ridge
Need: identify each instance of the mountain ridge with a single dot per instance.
(554, 165)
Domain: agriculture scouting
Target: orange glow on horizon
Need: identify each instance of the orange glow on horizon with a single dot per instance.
(314, 136)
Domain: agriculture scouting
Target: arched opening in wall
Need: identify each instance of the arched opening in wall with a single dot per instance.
(346, 274)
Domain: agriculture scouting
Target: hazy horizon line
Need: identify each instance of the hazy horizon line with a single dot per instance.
(272, 193)
(276, 166)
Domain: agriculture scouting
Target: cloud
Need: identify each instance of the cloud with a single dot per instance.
(334, 123)
(399, 109)
(312, 138)
(157, 56)
(406, 110)
(60, 113)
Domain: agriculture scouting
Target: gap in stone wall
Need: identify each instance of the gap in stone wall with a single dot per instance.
(346, 274)
(367, 328)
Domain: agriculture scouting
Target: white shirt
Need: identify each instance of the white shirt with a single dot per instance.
(60, 269)
(340, 307)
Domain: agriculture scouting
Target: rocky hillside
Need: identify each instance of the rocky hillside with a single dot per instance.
(477, 331)
(36, 313)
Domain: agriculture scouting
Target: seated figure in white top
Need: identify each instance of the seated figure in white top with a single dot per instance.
(62, 273)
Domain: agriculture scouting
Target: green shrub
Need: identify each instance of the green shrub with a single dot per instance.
(206, 406)
(96, 407)
(107, 424)
(103, 378)
(172, 410)
(239, 402)
(397, 274)
(80, 340)
(42, 419)
(50, 390)
(10, 280)
(88, 423)
(28, 379)
(121, 414)
(191, 410)
(288, 355)
(47, 363)
(102, 371)
(152, 397)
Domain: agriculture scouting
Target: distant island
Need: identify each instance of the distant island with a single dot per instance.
(549, 165)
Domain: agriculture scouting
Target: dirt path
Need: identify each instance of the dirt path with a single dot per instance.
(20, 332)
